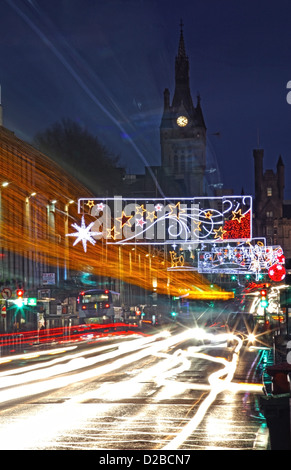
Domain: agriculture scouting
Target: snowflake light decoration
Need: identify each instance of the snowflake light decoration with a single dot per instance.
(83, 234)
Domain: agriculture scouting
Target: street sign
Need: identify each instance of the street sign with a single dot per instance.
(30, 301)
(6, 293)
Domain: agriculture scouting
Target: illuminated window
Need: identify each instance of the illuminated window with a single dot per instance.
(269, 192)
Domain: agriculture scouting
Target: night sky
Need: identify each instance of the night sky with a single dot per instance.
(106, 63)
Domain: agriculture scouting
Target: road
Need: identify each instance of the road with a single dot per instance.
(183, 389)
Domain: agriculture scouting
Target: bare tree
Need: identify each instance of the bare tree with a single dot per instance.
(82, 155)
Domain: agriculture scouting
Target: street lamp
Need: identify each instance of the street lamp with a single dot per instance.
(27, 212)
(4, 184)
(66, 254)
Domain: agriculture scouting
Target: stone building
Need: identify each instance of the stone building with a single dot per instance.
(272, 213)
(37, 205)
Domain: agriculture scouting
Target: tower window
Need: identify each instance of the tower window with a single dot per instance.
(269, 192)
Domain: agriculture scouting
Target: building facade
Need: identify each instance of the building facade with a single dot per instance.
(38, 201)
(272, 213)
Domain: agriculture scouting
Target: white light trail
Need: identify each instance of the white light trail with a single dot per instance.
(217, 385)
(24, 388)
(164, 372)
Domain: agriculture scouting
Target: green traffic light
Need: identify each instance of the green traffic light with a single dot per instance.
(19, 302)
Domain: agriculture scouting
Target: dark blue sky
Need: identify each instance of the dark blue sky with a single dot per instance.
(106, 63)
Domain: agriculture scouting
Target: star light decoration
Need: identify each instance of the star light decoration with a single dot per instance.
(83, 234)
(160, 222)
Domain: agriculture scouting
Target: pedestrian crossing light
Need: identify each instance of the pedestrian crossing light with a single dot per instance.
(264, 298)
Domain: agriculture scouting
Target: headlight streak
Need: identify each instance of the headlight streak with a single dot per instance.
(147, 349)
(21, 370)
(14, 436)
(32, 355)
(76, 362)
(168, 365)
(217, 385)
(164, 373)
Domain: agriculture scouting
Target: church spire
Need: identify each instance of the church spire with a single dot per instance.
(181, 49)
(182, 92)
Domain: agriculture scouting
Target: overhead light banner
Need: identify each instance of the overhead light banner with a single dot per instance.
(163, 221)
(241, 258)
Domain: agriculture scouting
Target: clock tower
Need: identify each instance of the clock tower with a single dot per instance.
(183, 133)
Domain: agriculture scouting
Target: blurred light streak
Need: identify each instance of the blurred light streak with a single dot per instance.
(165, 373)
(64, 335)
(23, 388)
(217, 385)
(21, 372)
(50, 182)
(32, 234)
(26, 357)
(44, 425)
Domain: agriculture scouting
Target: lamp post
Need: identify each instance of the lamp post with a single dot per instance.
(4, 184)
(27, 211)
(66, 254)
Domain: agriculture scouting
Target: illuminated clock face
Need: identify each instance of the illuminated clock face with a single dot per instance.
(182, 121)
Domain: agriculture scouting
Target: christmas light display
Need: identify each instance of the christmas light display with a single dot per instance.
(277, 272)
(243, 258)
(176, 260)
(37, 213)
(162, 221)
(193, 221)
(83, 234)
